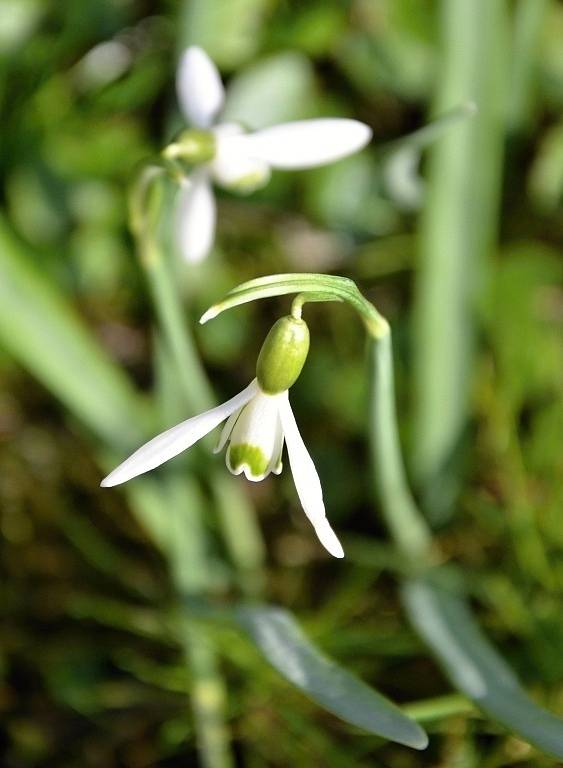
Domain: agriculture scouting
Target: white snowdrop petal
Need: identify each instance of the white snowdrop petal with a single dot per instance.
(175, 440)
(196, 214)
(305, 143)
(307, 481)
(198, 84)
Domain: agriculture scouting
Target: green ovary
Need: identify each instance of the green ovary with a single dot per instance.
(251, 456)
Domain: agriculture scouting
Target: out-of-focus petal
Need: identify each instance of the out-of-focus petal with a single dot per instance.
(198, 84)
(177, 439)
(196, 214)
(307, 481)
(231, 167)
(305, 143)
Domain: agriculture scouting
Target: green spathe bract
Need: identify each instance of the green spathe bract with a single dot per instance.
(283, 355)
(192, 146)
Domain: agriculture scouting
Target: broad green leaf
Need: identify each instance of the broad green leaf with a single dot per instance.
(287, 75)
(475, 668)
(41, 330)
(457, 234)
(284, 645)
(230, 31)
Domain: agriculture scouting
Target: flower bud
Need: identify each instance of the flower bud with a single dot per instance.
(192, 146)
(283, 355)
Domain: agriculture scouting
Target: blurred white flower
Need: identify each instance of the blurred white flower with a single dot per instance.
(241, 160)
(256, 426)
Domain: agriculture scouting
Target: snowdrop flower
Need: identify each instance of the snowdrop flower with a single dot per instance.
(228, 156)
(257, 422)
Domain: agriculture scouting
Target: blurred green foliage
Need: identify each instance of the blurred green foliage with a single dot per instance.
(90, 671)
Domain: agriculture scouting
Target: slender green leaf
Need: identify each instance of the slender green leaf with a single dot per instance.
(475, 668)
(284, 645)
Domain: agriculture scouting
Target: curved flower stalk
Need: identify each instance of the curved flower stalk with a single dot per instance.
(225, 154)
(257, 423)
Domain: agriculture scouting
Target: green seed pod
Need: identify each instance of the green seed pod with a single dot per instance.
(283, 355)
(192, 146)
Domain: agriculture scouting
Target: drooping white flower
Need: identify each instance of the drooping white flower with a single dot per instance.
(257, 423)
(240, 160)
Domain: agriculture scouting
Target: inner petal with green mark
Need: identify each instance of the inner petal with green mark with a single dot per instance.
(256, 440)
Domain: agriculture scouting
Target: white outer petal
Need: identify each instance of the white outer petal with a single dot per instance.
(305, 143)
(199, 88)
(196, 214)
(307, 481)
(175, 440)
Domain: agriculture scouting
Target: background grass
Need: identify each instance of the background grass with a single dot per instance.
(91, 673)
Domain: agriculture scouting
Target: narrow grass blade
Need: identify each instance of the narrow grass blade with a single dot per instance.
(475, 668)
(529, 16)
(284, 645)
(401, 158)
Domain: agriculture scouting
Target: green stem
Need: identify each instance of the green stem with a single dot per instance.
(194, 384)
(440, 707)
(235, 513)
(179, 372)
(209, 700)
(404, 520)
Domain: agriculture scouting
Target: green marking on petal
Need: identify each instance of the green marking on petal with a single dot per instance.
(254, 458)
